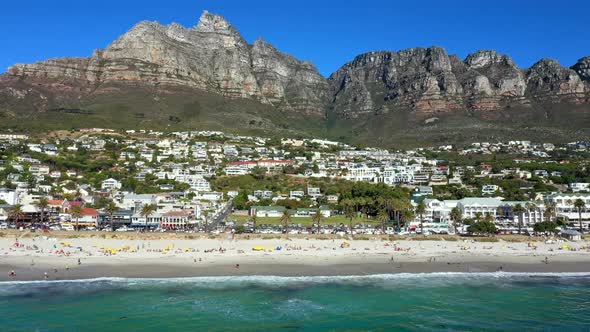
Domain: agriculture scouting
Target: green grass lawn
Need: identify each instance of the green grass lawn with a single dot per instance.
(307, 221)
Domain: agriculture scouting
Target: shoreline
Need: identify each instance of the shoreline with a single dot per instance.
(185, 268)
(87, 258)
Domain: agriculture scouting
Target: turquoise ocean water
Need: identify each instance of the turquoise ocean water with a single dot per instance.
(403, 302)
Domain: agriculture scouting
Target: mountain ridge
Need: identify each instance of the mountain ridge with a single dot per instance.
(419, 87)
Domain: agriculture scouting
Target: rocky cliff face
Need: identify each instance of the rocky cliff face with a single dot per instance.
(212, 57)
(427, 80)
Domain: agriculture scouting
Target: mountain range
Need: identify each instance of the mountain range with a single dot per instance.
(210, 77)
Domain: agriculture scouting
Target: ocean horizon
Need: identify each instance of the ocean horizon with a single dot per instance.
(499, 301)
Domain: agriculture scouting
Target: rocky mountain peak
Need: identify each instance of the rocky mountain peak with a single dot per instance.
(212, 57)
(582, 68)
(211, 23)
(484, 58)
(547, 79)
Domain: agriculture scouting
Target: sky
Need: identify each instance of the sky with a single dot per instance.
(328, 33)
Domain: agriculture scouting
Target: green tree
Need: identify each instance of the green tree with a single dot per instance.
(317, 219)
(286, 220)
(146, 211)
(550, 210)
(206, 221)
(240, 201)
(350, 214)
(420, 211)
(456, 217)
(383, 217)
(545, 227)
(16, 213)
(76, 213)
(580, 205)
(519, 211)
(111, 209)
(254, 218)
(482, 227)
(42, 204)
(258, 172)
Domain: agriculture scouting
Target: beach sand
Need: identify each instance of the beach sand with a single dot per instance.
(177, 257)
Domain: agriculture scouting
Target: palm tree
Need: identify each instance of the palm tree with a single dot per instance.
(253, 218)
(550, 209)
(146, 211)
(317, 219)
(519, 210)
(205, 215)
(286, 220)
(383, 217)
(16, 213)
(349, 212)
(76, 212)
(456, 217)
(580, 205)
(42, 204)
(406, 214)
(478, 216)
(531, 208)
(420, 210)
(111, 209)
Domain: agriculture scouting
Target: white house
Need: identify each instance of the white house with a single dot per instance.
(110, 184)
(580, 187)
(489, 189)
(9, 196)
(267, 211)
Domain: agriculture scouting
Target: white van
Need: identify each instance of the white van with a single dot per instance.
(67, 227)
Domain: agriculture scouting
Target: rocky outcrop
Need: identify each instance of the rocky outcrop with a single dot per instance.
(582, 68)
(419, 78)
(212, 57)
(548, 80)
(428, 80)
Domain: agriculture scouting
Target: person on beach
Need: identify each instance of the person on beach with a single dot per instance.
(12, 274)
(79, 262)
(45, 275)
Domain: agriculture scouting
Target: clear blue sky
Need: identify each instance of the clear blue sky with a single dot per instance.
(326, 32)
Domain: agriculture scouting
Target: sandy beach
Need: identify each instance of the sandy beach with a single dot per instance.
(84, 257)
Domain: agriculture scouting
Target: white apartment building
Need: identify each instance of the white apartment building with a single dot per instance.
(236, 170)
(471, 206)
(362, 173)
(564, 206)
(136, 201)
(397, 175)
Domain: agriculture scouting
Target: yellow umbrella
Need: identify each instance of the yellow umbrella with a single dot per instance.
(259, 248)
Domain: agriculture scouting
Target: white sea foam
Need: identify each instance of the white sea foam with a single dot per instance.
(285, 281)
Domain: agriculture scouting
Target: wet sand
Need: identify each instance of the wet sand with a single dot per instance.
(181, 267)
